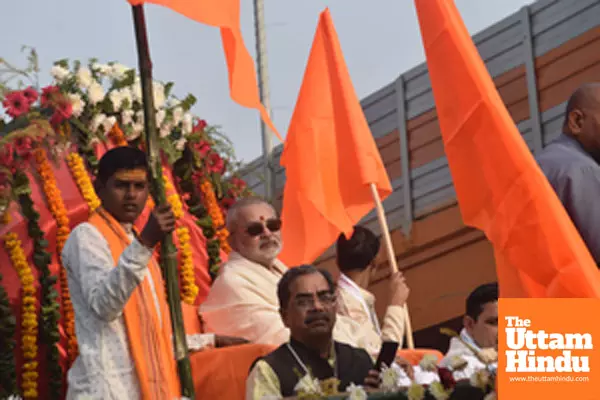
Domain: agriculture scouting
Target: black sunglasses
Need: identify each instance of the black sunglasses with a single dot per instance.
(257, 228)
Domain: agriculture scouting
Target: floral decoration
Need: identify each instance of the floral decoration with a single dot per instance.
(186, 264)
(29, 323)
(8, 328)
(83, 181)
(50, 308)
(87, 104)
(59, 212)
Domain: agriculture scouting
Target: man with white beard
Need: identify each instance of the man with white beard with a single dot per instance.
(242, 301)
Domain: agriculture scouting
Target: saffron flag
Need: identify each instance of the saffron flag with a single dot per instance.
(329, 155)
(499, 186)
(225, 14)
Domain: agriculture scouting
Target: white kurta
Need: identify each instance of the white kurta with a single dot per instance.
(99, 291)
(243, 302)
(458, 348)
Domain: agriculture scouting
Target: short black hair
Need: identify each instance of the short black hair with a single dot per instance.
(359, 251)
(479, 297)
(121, 158)
(283, 288)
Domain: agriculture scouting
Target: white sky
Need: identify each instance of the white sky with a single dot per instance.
(380, 40)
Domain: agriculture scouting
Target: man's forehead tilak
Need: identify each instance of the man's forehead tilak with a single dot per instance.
(131, 175)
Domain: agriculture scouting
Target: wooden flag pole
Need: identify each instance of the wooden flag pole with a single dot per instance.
(168, 251)
(392, 258)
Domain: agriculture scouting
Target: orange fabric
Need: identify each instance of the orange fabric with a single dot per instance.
(149, 340)
(221, 373)
(225, 14)
(499, 186)
(330, 155)
(414, 356)
(191, 319)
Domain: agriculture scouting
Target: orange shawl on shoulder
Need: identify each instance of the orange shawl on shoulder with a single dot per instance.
(149, 333)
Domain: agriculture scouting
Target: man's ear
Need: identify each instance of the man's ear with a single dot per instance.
(98, 187)
(575, 122)
(283, 314)
(468, 323)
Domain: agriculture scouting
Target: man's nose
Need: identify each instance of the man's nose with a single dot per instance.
(130, 192)
(318, 305)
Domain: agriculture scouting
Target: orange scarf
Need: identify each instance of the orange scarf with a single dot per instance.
(149, 341)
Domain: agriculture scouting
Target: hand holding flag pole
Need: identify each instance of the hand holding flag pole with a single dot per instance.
(168, 251)
(391, 254)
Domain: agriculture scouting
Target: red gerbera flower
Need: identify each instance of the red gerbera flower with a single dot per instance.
(31, 95)
(62, 111)
(216, 163)
(23, 147)
(48, 95)
(238, 183)
(16, 104)
(227, 202)
(200, 126)
(202, 147)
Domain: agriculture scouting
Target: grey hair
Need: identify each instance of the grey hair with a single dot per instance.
(231, 219)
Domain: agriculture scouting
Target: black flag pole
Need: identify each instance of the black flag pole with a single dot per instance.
(168, 251)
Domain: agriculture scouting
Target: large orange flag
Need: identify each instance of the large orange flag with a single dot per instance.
(225, 14)
(499, 186)
(330, 156)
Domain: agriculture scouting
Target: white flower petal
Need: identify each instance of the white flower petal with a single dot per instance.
(84, 77)
(77, 103)
(177, 115)
(59, 73)
(95, 93)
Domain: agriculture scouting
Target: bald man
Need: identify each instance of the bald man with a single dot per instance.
(571, 164)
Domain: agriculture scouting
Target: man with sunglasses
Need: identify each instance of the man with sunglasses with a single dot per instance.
(242, 301)
(571, 164)
(308, 308)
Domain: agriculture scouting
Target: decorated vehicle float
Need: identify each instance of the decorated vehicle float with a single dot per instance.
(49, 151)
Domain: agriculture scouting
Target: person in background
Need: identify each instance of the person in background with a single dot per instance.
(307, 298)
(355, 258)
(570, 163)
(242, 301)
(479, 333)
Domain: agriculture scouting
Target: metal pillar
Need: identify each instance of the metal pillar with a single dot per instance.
(263, 82)
(404, 156)
(532, 91)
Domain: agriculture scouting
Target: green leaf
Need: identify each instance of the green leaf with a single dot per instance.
(63, 63)
(168, 88)
(188, 102)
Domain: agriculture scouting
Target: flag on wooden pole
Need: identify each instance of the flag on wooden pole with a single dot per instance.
(499, 186)
(225, 14)
(330, 156)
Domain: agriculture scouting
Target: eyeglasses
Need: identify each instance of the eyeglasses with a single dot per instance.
(308, 301)
(258, 228)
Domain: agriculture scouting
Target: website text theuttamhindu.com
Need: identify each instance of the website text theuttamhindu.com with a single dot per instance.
(549, 379)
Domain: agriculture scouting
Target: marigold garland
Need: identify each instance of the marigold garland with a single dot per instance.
(8, 373)
(59, 212)
(214, 210)
(29, 324)
(49, 308)
(6, 218)
(83, 181)
(186, 264)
